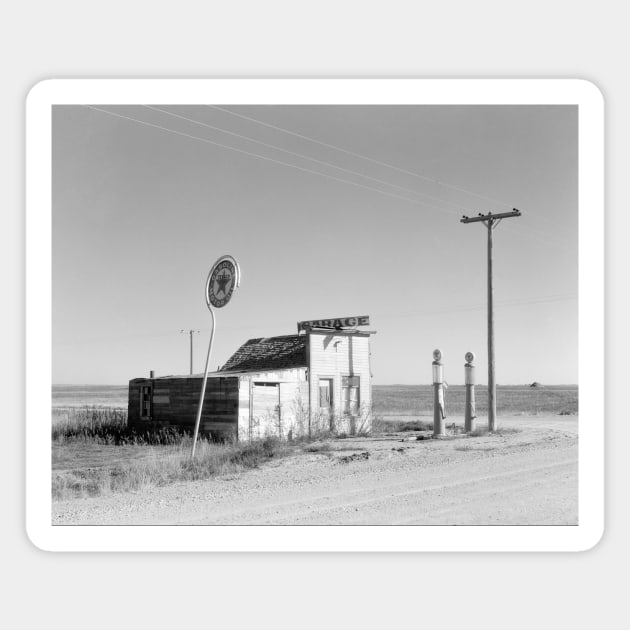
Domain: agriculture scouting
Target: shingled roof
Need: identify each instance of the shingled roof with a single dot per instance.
(268, 353)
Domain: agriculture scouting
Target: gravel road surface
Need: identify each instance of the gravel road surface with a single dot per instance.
(525, 477)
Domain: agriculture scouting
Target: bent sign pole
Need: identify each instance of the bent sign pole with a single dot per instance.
(491, 221)
(224, 277)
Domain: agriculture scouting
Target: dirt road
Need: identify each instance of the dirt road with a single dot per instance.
(526, 477)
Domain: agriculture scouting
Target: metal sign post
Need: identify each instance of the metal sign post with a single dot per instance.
(224, 276)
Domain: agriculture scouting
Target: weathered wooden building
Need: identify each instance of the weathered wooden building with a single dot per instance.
(315, 381)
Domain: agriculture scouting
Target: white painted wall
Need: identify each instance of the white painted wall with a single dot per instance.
(291, 395)
(334, 355)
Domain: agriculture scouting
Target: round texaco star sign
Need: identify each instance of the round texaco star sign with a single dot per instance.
(221, 283)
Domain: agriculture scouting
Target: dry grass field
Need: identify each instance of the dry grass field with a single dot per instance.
(94, 455)
(87, 468)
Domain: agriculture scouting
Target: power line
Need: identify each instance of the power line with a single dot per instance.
(307, 170)
(352, 153)
(306, 157)
(535, 234)
(363, 157)
(388, 315)
(478, 307)
(118, 338)
(262, 157)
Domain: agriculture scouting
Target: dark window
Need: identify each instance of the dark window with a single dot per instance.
(145, 401)
(325, 393)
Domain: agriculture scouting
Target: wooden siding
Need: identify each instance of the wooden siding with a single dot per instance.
(244, 409)
(133, 406)
(273, 404)
(333, 355)
(175, 403)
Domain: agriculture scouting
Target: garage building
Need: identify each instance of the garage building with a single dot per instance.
(313, 382)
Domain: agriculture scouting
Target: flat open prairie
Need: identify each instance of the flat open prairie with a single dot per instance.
(89, 395)
(512, 400)
(388, 399)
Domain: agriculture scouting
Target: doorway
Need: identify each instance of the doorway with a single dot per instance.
(266, 419)
(326, 402)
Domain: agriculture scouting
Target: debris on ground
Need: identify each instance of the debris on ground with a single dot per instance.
(415, 438)
(346, 459)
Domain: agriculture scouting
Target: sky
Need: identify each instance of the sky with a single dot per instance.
(356, 211)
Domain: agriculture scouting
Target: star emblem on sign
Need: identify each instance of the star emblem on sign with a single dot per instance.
(222, 281)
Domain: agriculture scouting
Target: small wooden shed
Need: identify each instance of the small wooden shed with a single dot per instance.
(155, 403)
(316, 381)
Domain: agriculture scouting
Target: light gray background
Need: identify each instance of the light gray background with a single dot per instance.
(194, 39)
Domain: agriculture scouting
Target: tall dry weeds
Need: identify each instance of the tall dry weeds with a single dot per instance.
(165, 466)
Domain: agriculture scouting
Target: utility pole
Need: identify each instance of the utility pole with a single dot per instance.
(491, 221)
(191, 333)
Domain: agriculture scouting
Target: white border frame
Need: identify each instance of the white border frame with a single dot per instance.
(316, 91)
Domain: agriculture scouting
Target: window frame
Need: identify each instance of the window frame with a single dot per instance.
(350, 382)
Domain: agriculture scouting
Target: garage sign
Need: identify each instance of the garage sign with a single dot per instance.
(336, 323)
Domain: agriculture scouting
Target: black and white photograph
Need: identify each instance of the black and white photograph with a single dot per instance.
(295, 314)
(315, 314)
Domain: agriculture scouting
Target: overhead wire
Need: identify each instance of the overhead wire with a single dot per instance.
(516, 302)
(536, 234)
(478, 307)
(528, 231)
(370, 159)
(311, 159)
(269, 159)
(363, 157)
(392, 315)
(533, 233)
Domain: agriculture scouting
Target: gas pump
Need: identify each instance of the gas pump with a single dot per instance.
(469, 379)
(439, 410)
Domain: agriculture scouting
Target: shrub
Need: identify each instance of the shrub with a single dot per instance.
(380, 425)
(483, 430)
(108, 425)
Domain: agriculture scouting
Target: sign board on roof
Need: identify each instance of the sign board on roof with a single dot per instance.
(339, 322)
